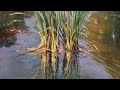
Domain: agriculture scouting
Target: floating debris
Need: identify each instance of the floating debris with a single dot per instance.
(18, 13)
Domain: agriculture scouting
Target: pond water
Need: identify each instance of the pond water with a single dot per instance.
(102, 62)
(105, 36)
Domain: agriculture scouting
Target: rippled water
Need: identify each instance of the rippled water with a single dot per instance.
(101, 63)
(105, 36)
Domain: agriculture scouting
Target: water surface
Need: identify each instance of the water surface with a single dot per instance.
(101, 63)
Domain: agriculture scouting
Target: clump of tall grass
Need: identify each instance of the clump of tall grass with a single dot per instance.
(58, 29)
(48, 25)
(72, 25)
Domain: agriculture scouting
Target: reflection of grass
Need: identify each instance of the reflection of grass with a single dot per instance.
(48, 68)
(54, 68)
(72, 68)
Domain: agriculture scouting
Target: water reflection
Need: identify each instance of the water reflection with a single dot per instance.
(63, 66)
(105, 40)
(103, 37)
(8, 32)
(7, 38)
(12, 64)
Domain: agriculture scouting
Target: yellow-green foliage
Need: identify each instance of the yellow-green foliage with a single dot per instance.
(53, 26)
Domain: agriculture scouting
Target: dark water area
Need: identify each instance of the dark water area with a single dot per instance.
(102, 62)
